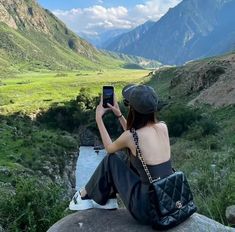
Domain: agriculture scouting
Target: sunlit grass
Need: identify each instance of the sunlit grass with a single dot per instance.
(34, 91)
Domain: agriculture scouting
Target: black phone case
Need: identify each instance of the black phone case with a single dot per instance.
(108, 93)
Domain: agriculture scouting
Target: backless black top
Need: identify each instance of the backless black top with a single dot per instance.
(159, 170)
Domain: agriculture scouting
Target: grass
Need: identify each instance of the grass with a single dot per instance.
(31, 92)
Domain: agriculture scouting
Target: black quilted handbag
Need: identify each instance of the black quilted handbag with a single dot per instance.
(171, 199)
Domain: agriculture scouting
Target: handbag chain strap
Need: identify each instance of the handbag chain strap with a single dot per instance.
(136, 140)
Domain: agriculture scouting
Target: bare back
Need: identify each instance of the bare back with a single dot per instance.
(154, 143)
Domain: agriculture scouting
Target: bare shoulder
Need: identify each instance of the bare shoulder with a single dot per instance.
(163, 126)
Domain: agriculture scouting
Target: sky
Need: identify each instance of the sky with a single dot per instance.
(92, 17)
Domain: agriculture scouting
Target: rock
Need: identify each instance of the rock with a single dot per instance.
(5, 171)
(8, 19)
(26, 15)
(99, 220)
(1, 229)
(69, 172)
(86, 137)
(230, 214)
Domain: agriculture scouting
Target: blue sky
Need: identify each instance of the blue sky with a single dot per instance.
(69, 4)
(93, 17)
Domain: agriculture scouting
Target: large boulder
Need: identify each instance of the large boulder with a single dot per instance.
(86, 137)
(99, 220)
(230, 214)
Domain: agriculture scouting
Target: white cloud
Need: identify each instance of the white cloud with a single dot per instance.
(151, 10)
(97, 18)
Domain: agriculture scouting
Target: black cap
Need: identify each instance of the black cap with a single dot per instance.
(141, 97)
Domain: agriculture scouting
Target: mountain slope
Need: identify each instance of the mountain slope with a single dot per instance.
(100, 40)
(33, 38)
(193, 29)
(132, 61)
(205, 82)
(123, 41)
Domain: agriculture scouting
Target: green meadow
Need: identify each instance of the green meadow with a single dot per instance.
(31, 92)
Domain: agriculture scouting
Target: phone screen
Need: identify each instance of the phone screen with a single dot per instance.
(108, 92)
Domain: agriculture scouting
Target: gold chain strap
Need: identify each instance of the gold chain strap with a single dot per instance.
(136, 140)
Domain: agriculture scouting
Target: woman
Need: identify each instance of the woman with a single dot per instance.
(114, 175)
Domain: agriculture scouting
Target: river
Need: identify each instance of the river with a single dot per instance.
(87, 162)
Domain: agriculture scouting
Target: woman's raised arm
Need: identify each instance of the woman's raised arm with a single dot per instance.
(110, 146)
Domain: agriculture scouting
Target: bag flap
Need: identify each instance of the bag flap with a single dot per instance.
(171, 193)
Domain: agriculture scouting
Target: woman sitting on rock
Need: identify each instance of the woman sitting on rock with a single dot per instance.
(114, 174)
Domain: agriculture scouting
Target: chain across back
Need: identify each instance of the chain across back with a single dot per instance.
(139, 155)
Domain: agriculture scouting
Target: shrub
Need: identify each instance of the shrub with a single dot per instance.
(179, 118)
(202, 128)
(72, 114)
(213, 198)
(35, 206)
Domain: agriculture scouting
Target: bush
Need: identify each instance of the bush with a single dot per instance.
(213, 198)
(211, 176)
(202, 128)
(179, 118)
(72, 114)
(34, 207)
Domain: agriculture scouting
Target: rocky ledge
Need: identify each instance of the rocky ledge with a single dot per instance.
(120, 220)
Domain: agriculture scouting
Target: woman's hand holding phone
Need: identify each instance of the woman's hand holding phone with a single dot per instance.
(100, 110)
(115, 108)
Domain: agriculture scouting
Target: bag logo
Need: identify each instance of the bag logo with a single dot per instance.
(178, 204)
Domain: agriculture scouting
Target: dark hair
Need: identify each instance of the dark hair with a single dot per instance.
(137, 120)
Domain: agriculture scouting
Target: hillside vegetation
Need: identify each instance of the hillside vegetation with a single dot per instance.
(34, 39)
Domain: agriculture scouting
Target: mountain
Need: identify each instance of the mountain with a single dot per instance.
(110, 36)
(133, 62)
(193, 29)
(100, 40)
(32, 38)
(121, 42)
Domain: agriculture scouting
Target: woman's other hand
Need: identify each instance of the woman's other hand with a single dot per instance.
(115, 108)
(100, 110)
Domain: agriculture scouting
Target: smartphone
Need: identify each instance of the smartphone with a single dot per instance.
(108, 94)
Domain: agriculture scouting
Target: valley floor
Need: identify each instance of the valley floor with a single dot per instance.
(31, 92)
